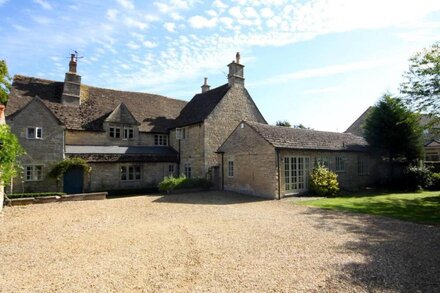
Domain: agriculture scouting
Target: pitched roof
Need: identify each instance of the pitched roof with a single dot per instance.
(433, 144)
(155, 113)
(201, 105)
(122, 115)
(294, 138)
(357, 127)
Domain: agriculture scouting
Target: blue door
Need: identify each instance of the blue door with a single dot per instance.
(73, 180)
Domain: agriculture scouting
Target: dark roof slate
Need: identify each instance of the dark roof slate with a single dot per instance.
(154, 113)
(122, 115)
(201, 105)
(293, 138)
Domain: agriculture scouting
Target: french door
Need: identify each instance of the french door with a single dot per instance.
(296, 172)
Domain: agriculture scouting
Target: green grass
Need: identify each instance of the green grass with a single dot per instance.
(423, 207)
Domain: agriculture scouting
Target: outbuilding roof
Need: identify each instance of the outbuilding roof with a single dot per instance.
(294, 138)
(155, 113)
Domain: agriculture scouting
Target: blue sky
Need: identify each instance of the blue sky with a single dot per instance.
(316, 62)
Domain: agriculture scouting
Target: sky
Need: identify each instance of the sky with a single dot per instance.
(320, 63)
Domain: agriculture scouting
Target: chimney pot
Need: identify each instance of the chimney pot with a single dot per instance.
(205, 86)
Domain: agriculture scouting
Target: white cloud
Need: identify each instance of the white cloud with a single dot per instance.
(149, 44)
(2, 2)
(43, 20)
(202, 22)
(44, 4)
(219, 4)
(127, 4)
(133, 45)
(176, 16)
(112, 14)
(266, 12)
(131, 22)
(170, 26)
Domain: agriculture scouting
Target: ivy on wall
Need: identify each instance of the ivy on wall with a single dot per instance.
(62, 167)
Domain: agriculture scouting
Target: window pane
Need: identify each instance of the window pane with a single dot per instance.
(123, 173)
(137, 173)
(31, 132)
(39, 133)
(117, 132)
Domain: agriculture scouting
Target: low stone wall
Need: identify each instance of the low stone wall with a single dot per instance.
(62, 198)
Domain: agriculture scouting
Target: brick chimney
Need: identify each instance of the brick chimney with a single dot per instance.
(205, 86)
(235, 76)
(72, 84)
(2, 114)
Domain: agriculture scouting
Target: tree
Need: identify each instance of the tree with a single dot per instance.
(421, 88)
(393, 131)
(5, 82)
(301, 126)
(284, 123)
(10, 151)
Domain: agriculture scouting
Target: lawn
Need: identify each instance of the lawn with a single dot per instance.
(422, 207)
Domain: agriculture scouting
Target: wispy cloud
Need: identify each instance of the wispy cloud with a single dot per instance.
(324, 90)
(127, 4)
(44, 4)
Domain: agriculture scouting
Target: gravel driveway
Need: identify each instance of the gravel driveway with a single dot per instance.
(211, 242)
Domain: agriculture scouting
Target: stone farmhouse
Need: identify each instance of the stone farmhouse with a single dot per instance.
(133, 140)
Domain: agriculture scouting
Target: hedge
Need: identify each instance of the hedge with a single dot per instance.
(171, 183)
(34, 194)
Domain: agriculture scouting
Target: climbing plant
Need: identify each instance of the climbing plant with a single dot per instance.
(63, 166)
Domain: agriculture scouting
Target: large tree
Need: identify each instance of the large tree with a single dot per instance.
(421, 87)
(5, 82)
(393, 131)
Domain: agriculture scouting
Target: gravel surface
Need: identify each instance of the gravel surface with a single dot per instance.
(211, 242)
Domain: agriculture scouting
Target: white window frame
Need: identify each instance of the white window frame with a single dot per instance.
(180, 133)
(340, 164)
(171, 170)
(128, 133)
(322, 161)
(112, 131)
(33, 173)
(187, 170)
(231, 168)
(38, 132)
(129, 173)
(161, 139)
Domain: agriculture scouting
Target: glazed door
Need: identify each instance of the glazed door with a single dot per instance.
(296, 174)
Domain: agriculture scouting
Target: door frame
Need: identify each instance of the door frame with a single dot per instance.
(296, 174)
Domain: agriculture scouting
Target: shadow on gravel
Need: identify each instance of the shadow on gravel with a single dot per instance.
(209, 198)
(399, 256)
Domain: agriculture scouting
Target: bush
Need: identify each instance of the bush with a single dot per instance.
(417, 178)
(34, 194)
(435, 181)
(324, 182)
(172, 183)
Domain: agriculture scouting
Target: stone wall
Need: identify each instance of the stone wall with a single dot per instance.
(191, 148)
(106, 176)
(236, 106)
(255, 171)
(47, 151)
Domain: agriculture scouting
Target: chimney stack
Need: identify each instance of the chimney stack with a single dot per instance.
(205, 86)
(236, 76)
(72, 84)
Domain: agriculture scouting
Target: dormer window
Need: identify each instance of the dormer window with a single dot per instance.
(34, 133)
(160, 139)
(128, 133)
(115, 132)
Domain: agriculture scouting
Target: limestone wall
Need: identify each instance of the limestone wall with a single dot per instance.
(46, 151)
(78, 137)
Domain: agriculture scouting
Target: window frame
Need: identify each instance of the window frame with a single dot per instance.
(35, 174)
(128, 133)
(133, 171)
(36, 129)
(363, 168)
(171, 170)
(161, 139)
(230, 168)
(340, 162)
(180, 133)
(114, 132)
(187, 170)
(322, 161)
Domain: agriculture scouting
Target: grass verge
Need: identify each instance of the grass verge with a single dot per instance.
(423, 207)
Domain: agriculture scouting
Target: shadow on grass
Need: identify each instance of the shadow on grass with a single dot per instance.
(398, 256)
(209, 198)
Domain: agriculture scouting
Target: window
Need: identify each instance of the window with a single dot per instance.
(230, 168)
(180, 133)
(170, 170)
(160, 139)
(363, 166)
(33, 173)
(128, 133)
(115, 132)
(187, 170)
(34, 133)
(340, 164)
(130, 173)
(322, 161)
(432, 156)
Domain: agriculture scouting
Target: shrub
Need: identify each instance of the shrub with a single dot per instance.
(172, 183)
(324, 182)
(435, 181)
(417, 178)
(63, 166)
